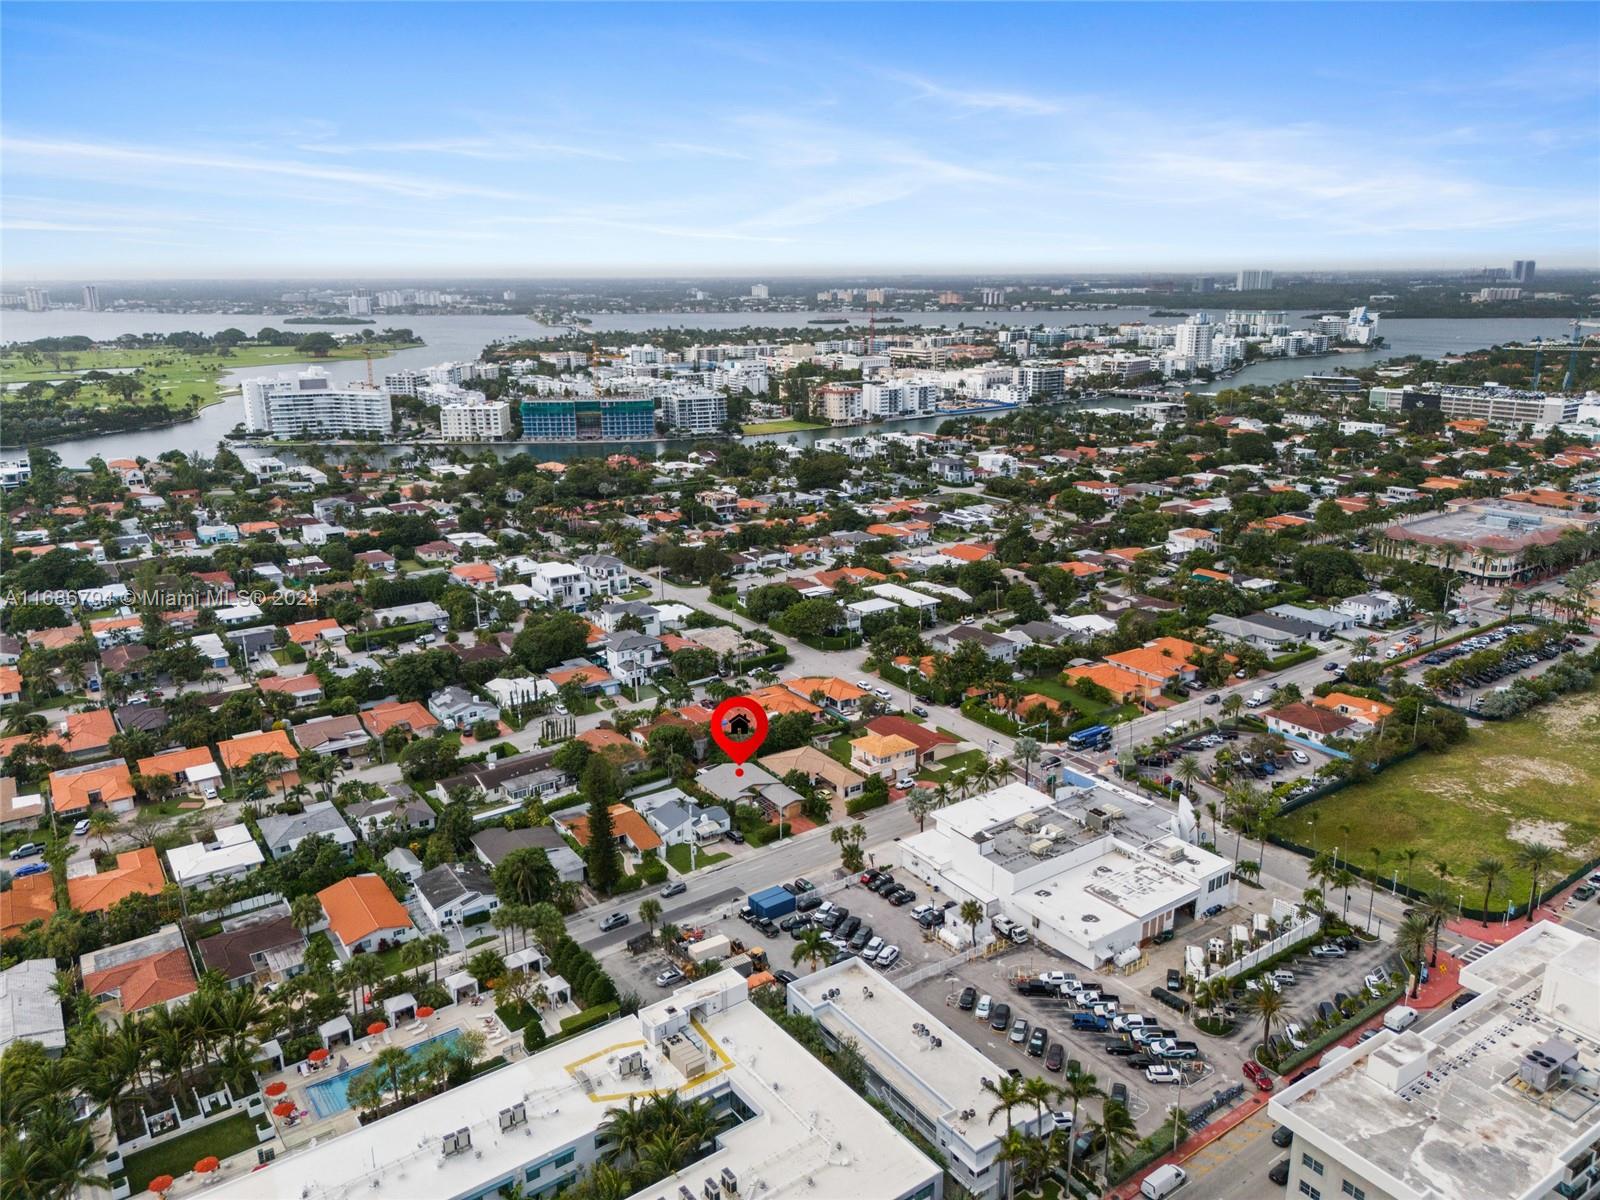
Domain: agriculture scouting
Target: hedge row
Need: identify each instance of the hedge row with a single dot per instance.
(1318, 1045)
(863, 804)
(589, 1018)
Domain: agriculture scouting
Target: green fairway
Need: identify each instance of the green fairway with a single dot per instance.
(780, 427)
(177, 377)
(1533, 779)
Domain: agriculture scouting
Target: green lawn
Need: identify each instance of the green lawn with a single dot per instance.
(177, 1158)
(839, 749)
(1512, 783)
(780, 427)
(176, 374)
(951, 766)
(678, 857)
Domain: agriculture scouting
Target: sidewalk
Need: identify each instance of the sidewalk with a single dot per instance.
(1128, 1189)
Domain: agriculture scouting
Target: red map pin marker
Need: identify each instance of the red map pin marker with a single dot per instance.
(739, 715)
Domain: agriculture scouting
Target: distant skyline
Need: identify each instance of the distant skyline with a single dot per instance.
(498, 140)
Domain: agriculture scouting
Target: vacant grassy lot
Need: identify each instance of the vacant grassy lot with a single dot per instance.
(1534, 779)
(780, 427)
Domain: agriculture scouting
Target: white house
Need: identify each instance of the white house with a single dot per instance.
(458, 708)
(453, 892)
(231, 852)
(1371, 608)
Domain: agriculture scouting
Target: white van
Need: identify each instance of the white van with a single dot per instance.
(1401, 1016)
(1163, 1181)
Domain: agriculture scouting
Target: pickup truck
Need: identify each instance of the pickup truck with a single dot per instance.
(1089, 1021)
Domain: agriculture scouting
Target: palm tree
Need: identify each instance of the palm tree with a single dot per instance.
(812, 947)
(1119, 1132)
(1489, 872)
(971, 914)
(1409, 853)
(102, 825)
(414, 956)
(1039, 1092)
(624, 1131)
(1027, 750)
(1188, 771)
(1079, 1086)
(437, 945)
(1536, 857)
(1436, 908)
(1268, 1003)
(1345, 879)
(1008, 1095)
(1412, 940)
(1372, 882)
(305, 912)
(650, 912)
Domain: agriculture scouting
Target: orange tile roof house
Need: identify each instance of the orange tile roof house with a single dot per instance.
(74, 790)
(630, 829)
(474, 574)
(886, 754)
(1152, 664)
(303, 690)
(778, 701)
(237, 751)
(1309, 724)
(31, 898)
(303, 633)
(362, 912)
(145, 973)
(137, 872)
(839, 694)
(930, 743)
(1124, 685)
(408, 715)
(1367, 712)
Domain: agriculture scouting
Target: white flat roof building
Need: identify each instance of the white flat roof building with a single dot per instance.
(309, 402)
(930, 1075)
(29, 1009)
(232, 851)
(1500, 1099)
(1089, 874)
(800, 1131)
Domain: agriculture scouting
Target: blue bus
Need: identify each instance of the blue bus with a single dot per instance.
(1096, 737)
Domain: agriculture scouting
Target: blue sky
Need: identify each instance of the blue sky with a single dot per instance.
(326, 139)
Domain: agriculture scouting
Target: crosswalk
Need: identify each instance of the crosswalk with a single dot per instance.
(1471, 953)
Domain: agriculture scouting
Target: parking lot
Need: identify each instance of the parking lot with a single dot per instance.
(918, 947)
(1221, 1059)
(1467, 685)
(1263, 757)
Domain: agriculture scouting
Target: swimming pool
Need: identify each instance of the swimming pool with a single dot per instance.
(331, 1096)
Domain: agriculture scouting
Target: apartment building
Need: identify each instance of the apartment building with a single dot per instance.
(587, 418)
(694, 410)
(310, 403)
(469, 416)
(787, 1126)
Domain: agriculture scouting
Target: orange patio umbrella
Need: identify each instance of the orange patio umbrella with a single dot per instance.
(283, 1108)
(161, 1183)
(207, 1165)
(377, 1027)
(276, 1088)
(425, 1012)
(317, 1055)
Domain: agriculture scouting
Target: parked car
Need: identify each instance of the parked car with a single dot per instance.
(1327, 950)
(888, 956)
(669, 977)
(27, 850)
(985, 1005)
(1061, 1120)
(804, 885)
(615, 920)
(1019, 1031)
(1000, 1018)
(918, 711)
(82, 827)
(1257, 1074)
(1038, 1040)
(30, 869)
(734, 836)
(969, 997)
(1174, 979)
(1053, 1058)
(1120, 1049)
(1163, 1074)
(1280, 1173)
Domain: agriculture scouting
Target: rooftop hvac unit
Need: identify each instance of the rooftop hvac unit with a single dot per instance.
(684, 1193)
(458, 1142)
(1539, 1071)
(1027, 820)
(1052, 831)
(1040, 846)
(511, 1117)
(712, 1190)
(1097, 820)
(730, 1181)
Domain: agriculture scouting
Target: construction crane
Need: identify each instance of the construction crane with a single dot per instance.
(366, 353)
